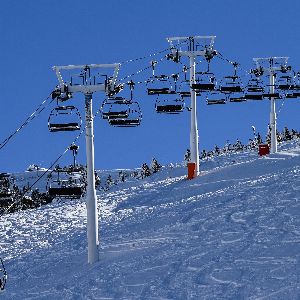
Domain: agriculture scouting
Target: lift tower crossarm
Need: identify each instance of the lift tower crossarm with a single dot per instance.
(91, 88)
(191, 52)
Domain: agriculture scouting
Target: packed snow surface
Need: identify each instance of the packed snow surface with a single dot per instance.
(231, 233)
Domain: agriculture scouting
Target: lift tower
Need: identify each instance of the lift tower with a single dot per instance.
(272, 65)
(192, 47)
(87, 83)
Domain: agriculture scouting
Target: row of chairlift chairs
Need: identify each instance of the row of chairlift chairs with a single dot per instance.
(118, 111)
(171, 93)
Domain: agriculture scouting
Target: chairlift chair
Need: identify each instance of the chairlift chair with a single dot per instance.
(254, 90)
(159, 84)
(59, 115)
(205, 81)
(272, 95)
(63, 190)
(169, 105)
(215, 98)
(285, 83)
(231, 84)
(236, 98)
(132, 119)
(6, 194)
(184, 89)
(117, 107)
(66, 185)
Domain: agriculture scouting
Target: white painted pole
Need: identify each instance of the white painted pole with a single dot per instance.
(273, 115)
(91, 199)
(194, 128)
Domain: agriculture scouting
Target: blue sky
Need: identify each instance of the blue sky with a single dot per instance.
(35, 35)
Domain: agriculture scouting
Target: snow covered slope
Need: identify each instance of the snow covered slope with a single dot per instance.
(232, 233)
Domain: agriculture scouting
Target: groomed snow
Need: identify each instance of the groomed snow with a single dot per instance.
(232, 233)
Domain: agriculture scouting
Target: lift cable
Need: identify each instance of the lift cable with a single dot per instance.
(139, 71)
(48, 169)
(149, 55)
(146, 56)
(42, 175)
(36, 112)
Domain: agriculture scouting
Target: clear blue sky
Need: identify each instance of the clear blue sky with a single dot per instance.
(35, 35)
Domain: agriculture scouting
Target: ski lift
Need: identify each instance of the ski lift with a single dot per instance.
(237, 98)
(157, 85)
(233, 83)
(184, 87)
(285, 83)
(131, 119)
(116, 107)
(3, 275)
(67, 185)
(169, 104)
(58, 116)
(272, 95)
(6, 194)
(254, 89)
(215, 98)
(205, 81)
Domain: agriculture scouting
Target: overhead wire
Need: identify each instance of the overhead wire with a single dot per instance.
(48, 169)
(35, 113)
(144, 57)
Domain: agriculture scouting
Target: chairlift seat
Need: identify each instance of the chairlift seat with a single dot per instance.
(203, 86)
(169, 108)
(291, 95)
(115, 114)
(285, 87)
(66, 192)
(231, 89)
(271, 95)
(255, 89)
(237, 99)
(161, 91)
(296, 94)
(218, 101)
(254, 96)
(64, 127)
(124, 122)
